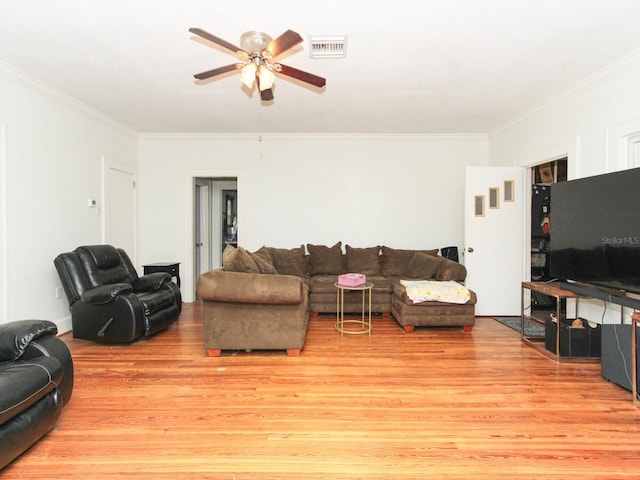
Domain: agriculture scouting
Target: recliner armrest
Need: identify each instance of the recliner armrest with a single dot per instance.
(151, 281)
(106, 293)
(16, 336)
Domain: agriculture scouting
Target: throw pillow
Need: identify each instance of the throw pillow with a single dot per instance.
(238, 260)
(363, 260)
(395, 262)
(423, 266)
(323, 259)
(290, 261)
(264, 260)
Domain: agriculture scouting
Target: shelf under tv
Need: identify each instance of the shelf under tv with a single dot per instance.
(618, 297)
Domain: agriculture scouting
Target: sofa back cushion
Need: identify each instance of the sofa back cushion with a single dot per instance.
(395, 262)
(363, 260)
(290, 261)
(264, 260)
(423, 265)
(325, 260)
(103, 265)
(238, 260)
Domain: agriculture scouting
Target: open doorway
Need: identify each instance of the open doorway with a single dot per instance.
(543, 176)
(215, 220)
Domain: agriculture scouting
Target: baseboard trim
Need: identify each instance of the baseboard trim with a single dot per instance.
(64, 325)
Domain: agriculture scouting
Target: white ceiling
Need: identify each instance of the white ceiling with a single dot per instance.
(423, 66)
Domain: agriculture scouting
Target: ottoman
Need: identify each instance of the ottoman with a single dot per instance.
(431, 314)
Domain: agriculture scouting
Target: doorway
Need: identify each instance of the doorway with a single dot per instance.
(119, 212)
(543, 176)
(4, 304)
(212, 223)
(494, 237)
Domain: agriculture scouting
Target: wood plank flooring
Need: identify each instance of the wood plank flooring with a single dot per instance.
(437, 403)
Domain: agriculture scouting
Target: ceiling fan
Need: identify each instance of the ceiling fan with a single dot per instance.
(258, 50)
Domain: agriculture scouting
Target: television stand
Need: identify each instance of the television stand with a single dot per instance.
(552, 289)
(617, 297)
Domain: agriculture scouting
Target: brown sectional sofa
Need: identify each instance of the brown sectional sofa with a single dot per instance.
(262, 300)
(246, 311)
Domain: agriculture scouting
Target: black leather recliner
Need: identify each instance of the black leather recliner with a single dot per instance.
(36, 381)
(109, 303)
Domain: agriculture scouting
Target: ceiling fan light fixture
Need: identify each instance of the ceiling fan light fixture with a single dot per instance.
(248, 74)
(254, 42)
(257, 51)
(266, 77)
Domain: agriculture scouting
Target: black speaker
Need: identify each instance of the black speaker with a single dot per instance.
(616, 354)
(450, 252)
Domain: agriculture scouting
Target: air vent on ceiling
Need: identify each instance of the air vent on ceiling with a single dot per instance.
(328, 46)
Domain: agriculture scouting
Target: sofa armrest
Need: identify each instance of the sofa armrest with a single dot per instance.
(236, 287)
(151, 282)
(16, 336)
(450, 270)
(106, 293)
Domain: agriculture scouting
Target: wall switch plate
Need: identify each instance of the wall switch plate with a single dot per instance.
(58, 292)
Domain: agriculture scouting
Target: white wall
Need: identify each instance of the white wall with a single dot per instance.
(52, 166)
(400, 191)
(587, 123)
(587, 117)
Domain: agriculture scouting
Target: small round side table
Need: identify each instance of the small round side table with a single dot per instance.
(363, 323)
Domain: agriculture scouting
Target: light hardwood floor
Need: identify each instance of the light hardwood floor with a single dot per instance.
(437, 403)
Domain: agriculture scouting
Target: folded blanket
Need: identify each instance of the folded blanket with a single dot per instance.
(435, 291)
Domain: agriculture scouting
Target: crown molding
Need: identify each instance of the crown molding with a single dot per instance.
(35, 85)
(588, 81)
(315, 136)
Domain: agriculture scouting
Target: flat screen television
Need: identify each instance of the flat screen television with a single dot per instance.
(595, 231)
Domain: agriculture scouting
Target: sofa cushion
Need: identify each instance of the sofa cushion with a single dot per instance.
(16, 336)
(325, 260)
(396, 262)
(238, 260)
(450, 270)
(290, 261)
(264, 260)
(363, 260)
(23, 383)
(423, 265)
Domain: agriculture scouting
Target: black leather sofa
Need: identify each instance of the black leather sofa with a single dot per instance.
(109, 303)
(36, 381)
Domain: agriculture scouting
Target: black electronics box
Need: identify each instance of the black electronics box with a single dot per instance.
(574, 342)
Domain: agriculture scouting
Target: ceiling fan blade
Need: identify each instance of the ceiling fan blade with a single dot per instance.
(216, 40)
(306, 77)
(284, 42)
(266, 95)
(216, 71)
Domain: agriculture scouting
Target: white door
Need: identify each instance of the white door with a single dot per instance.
(4, 304)
(202, 226)
(494, 237)
(120, 209)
